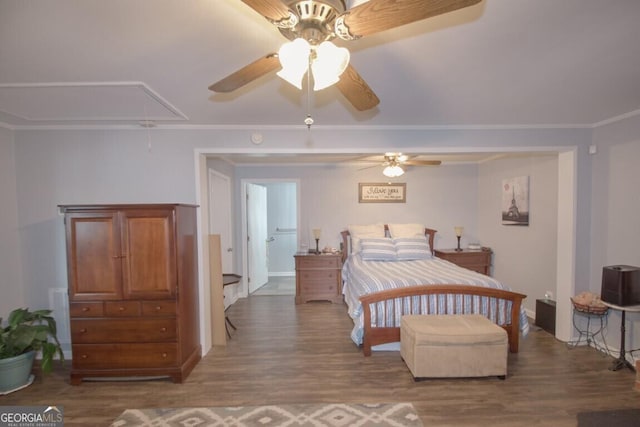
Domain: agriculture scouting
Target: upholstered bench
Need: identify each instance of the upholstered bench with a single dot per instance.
(447, 346)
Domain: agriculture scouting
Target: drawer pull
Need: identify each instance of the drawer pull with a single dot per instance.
(164, 355)
(83, 330)
(84, 356)
(163, 329)
(121, 308)
(158, 308)
(85, 309)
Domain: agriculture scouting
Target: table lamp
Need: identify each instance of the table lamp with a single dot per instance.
(316, 235)
(458, 229)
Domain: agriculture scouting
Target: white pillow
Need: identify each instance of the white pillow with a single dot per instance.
(406, 230)
(357, 232)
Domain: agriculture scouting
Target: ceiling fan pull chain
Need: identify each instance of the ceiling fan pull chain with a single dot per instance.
(309, 120)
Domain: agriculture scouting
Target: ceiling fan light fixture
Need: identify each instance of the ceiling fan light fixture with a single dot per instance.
(393, 171)
(294, 58)
(328, 65)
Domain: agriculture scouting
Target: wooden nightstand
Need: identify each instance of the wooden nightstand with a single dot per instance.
(318, 277)
(479, 261)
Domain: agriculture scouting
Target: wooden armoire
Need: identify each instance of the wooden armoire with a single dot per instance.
(133, 290)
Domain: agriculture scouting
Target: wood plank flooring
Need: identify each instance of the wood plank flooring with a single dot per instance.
(283, 353)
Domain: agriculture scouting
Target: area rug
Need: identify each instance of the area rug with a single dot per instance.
(312, 415)
(617, 418)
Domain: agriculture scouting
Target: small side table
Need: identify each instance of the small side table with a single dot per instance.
(229, 279)
(318, 277)
(476, 260)
(588, 334)
(622, 362)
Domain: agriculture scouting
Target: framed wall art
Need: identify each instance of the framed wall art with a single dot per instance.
(515, 201)
(382, 193)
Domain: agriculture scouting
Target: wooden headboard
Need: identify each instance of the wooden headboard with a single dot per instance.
(428, 232)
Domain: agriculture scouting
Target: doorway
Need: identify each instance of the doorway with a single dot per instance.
(221, 223)
(272, 217)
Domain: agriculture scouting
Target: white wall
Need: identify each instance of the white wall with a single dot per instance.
(94, 166)
(615, 227)
(10, 272)
(524, 256)
(439, 197)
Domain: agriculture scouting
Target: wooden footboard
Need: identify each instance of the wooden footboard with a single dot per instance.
(427, 299)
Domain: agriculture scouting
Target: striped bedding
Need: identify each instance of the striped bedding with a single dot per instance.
(365, 277)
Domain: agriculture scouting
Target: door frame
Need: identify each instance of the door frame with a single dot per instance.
(244, 291)
(568, 166)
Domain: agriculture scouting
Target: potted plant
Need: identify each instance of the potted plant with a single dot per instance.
(26, 333)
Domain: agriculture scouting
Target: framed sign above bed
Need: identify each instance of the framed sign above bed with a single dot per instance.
(382, 192)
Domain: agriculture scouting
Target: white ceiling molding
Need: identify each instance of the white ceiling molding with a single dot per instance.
(79, 102)
(616, 118)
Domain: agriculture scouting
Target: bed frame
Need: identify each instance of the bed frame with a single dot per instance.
(387, 301)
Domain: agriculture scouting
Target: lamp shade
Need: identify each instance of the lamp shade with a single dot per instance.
(294, 58)
(329, 64)
(393, 171)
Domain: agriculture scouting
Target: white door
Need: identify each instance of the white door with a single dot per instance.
(257, 236)
(220, 219)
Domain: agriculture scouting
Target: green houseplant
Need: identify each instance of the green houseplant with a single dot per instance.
(26, 333)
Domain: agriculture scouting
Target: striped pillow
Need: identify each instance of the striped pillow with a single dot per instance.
(412, 248)
(378, 249)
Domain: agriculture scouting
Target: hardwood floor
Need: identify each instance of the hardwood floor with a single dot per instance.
(283, 353)
(277, 285)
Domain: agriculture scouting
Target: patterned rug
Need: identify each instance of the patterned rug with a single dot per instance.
(312, 415)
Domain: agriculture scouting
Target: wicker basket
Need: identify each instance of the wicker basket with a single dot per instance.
(590, 309)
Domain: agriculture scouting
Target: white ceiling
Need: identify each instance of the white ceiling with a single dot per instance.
(499, 63)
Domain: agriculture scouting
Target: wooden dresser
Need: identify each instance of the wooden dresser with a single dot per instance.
(479, 261)
(318, 277)
(133, 297)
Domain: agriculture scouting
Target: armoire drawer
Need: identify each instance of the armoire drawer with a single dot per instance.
(122, 308)
(159, 308)
(86, 309)
(123, 330)
(118, 356)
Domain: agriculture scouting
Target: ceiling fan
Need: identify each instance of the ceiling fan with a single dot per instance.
(393, 163)
(312, 24)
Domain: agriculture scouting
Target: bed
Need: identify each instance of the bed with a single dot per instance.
(389, 270)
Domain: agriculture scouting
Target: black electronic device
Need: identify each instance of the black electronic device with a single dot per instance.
(621, 285)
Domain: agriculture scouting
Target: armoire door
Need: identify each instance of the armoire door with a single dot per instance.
(94, 262)
(149, 257)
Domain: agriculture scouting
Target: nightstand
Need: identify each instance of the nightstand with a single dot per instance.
(318, 277)
(479, 261)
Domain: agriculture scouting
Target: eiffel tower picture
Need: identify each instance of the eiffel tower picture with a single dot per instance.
(515, 201)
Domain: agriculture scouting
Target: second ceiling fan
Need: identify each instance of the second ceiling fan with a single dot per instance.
(393, 164)
(312, 24)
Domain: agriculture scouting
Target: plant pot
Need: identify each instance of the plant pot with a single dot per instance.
(15, 372)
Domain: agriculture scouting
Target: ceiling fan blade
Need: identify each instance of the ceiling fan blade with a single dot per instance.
(273, 10)
(422, 163)
(356, 90)
(380, 15)
(368, 167)
(247, 74)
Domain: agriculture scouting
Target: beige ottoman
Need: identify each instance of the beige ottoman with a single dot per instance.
(445, 346)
